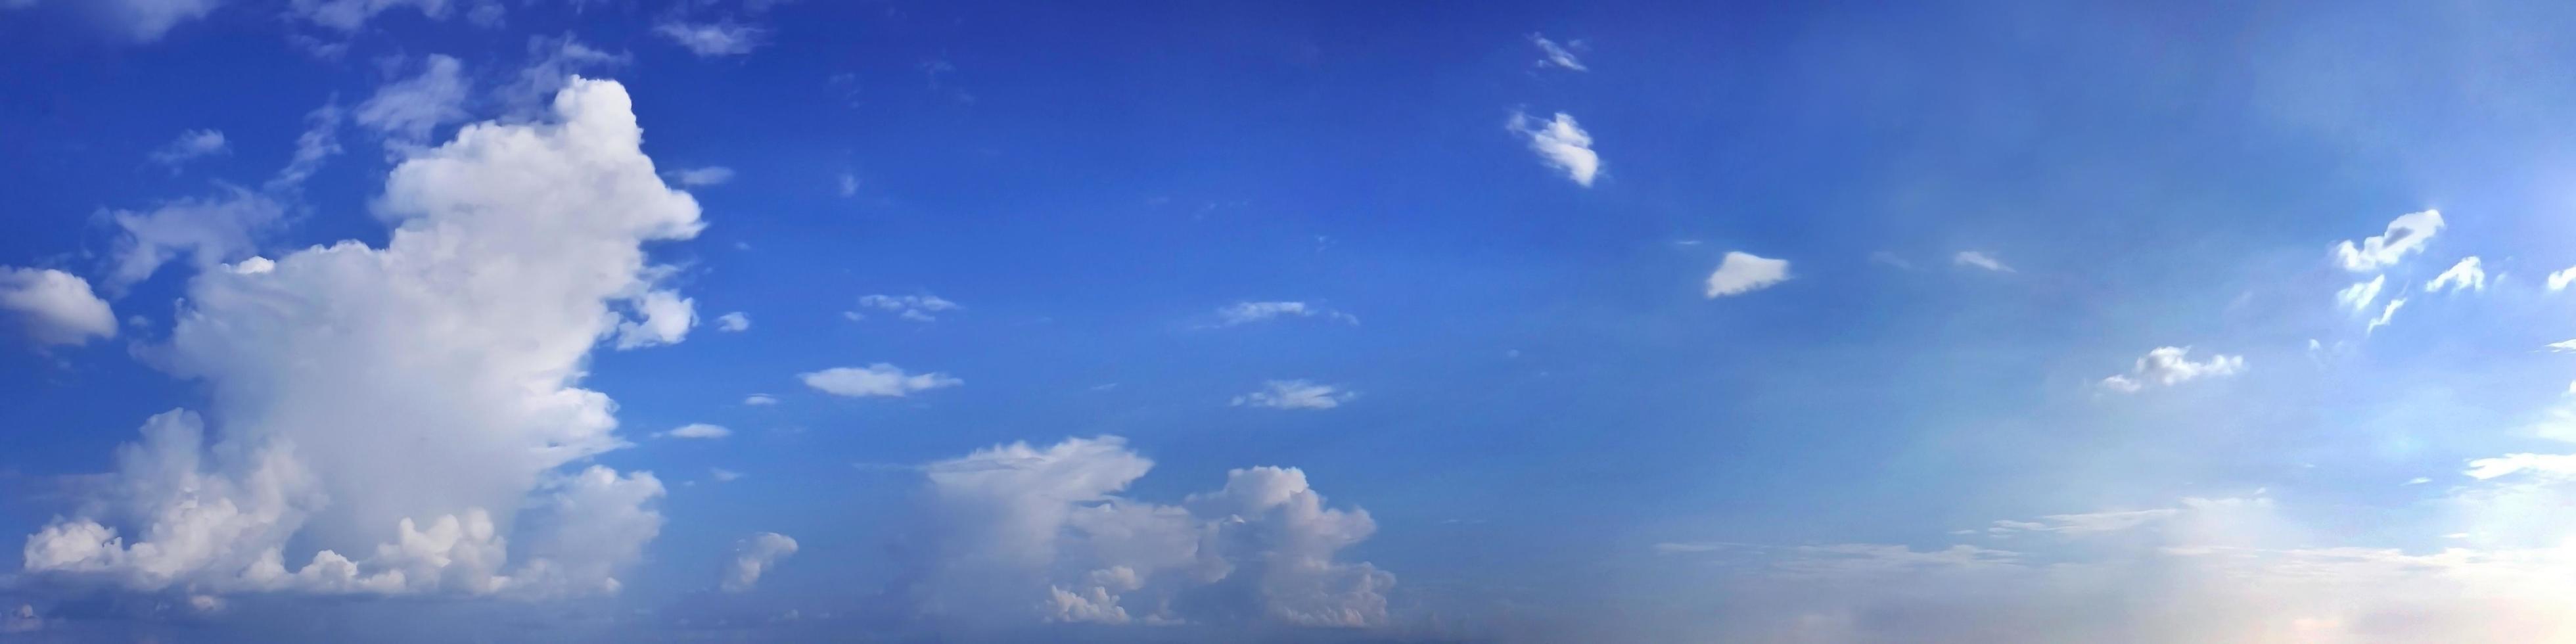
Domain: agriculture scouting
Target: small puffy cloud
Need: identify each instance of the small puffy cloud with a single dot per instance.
(2466, 275)
(409, 109)
(662, 317)
(1251, 312)
(2359, 295)
(53, 307)
(754, 556)
(2168, 366)
(190, 145)
(1980, 259)
(917, 308)
(878, 379)
(21, 620)
(733, 322)
(712, 39)
(2385, 314)
(2406, 235)
(1295, 394)
(722, 475)
(2561, 466)
(849, 184)
(1742, 272)
(701, 177)
(2558, 281)
(760, 400)
(698, 430)
(1561, 143)
(1558, 56)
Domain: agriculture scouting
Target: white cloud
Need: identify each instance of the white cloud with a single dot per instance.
(2466, 275)
(702, 177)
(760, 400)
(190, 145)
(1561, 57)
(2406, 235)
(319, 141)
(555, 61)
(662, 317)
(1743, 272)
(2551, 465)
(208, 231)
(2558, 281)
(2384, 315)
(53, 307)
(1561, 143)
(2359, 295)
(1295, 394)
(22, 620)
(2168, 366)
(722, 475)
(1250, 312)
(698, 430)
(136, 20)
(753, 556)
(733, 322)
(711, 39)
(349, 15)
(917, 308)
(409, 109)
(1022, 534)
(485, 405)
(1980, 259)
(849, 184)
(878, 379)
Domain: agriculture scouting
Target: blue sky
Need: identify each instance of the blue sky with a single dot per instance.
(337, 320)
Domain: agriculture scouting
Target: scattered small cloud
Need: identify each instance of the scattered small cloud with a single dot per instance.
(876, 380)
(408, 110)
(1742, 272)
(2168, 366)
(1558, 56)
(2558, 281)
(736, 321)
(1890, 259)
(2405, 235)
(917, 308)
(2359, 295)
(713, 175)
(1980, 259)
(754, 556)
(722, 475)
(2384, 315)
(2466, 275)
(760, 400)
(1561, 143)
(712, 39)
(52, 307)
(1248, 312)
(2420, 480)
(698, 430)
(1295, 394)
(849, 184)
(191, 145)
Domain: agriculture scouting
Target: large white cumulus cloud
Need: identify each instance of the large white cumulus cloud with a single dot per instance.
(1030, 534)
(383, 419)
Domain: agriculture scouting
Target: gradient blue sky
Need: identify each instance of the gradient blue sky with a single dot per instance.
(1342, 238)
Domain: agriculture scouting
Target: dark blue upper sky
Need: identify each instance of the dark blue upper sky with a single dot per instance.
(1628, 321)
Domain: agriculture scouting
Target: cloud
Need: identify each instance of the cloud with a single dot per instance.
(734, 322)
(1295, 394)
(760, 400)
(753, 556)
(2466, 275)
(2169, 366)
(661, 317)
(21, 620)
(712, 39)
(849, 184)
(409, 109)
(2359, 295)
(1561, 57)
(917, 308)
(1980, 260)
(1743, 272)
(2549, 465)
(554, 62)
(349, 15)
(1250, 312)
(317, 363)
(722, 475)
(698, 430)
(2558, 281)
(191, 145)
(139, 21)
(878, 379)
(319, 142)
(207, 231)
(2384, 315)
(53, 307)
(1019, 534)
(2406, 235)
(1561, 143)
(702, 177)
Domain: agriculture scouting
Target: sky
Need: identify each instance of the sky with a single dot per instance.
(813, 320)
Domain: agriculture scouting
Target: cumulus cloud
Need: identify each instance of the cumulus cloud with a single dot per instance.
(2405, 236)
(191, 145)
(917, 308)
(1980, 259)
(1561, 143)
(1295, 394)
(2169, 366)
(702, 177)
(733, 322)
(410, 108)
(698, 430)
(712, 39)
(52, 307)
(2466, 275)
(1742, 272)
(1250, 312)
(1025, 534)
(661, 317)
(753, 556)
(1558, 56)
(318, 362)
(2359, 295)
(878, 379)
(2558, 281)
